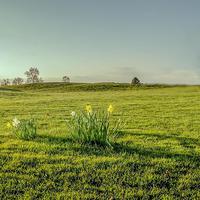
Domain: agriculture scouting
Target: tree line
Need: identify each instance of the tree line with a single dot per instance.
(32, 76)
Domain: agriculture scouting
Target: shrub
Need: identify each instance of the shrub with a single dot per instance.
(93, 127)
(135, 81)
(24, 129)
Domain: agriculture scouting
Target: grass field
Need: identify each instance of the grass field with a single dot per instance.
(156, 156)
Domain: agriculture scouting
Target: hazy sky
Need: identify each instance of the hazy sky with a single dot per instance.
(102, 40)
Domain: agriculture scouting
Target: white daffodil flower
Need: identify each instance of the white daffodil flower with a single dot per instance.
(15, 122)
(73, 114)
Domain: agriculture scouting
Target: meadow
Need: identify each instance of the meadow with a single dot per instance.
(155, 156)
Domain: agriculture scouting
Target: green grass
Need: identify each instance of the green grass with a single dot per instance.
(156, 156)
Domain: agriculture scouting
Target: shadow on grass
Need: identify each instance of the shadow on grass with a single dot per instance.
(9, 89)
(124, 148)
(153, 152)
(184, 141)
(48, 139)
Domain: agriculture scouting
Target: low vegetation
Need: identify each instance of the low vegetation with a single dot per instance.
(24, 129)
(155, 156)
(93, 127)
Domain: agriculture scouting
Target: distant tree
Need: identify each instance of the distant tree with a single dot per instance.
(33, 75)
(135, 81)
(17, 81)
(5, 82)
(66, 79)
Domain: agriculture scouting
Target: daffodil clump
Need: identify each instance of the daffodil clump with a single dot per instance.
(23, 129)
(93, 127)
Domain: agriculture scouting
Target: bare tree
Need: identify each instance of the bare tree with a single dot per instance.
(135, 81)
(17, 81)
(5, 82)
(66, 79)
(33, 75)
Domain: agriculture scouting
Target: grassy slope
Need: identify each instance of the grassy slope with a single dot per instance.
(156, 156)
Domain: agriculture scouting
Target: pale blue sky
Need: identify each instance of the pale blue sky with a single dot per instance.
(102, 40)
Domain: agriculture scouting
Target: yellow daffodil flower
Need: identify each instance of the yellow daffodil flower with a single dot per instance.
(88, 108)
(110, 109)
(8, 125)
